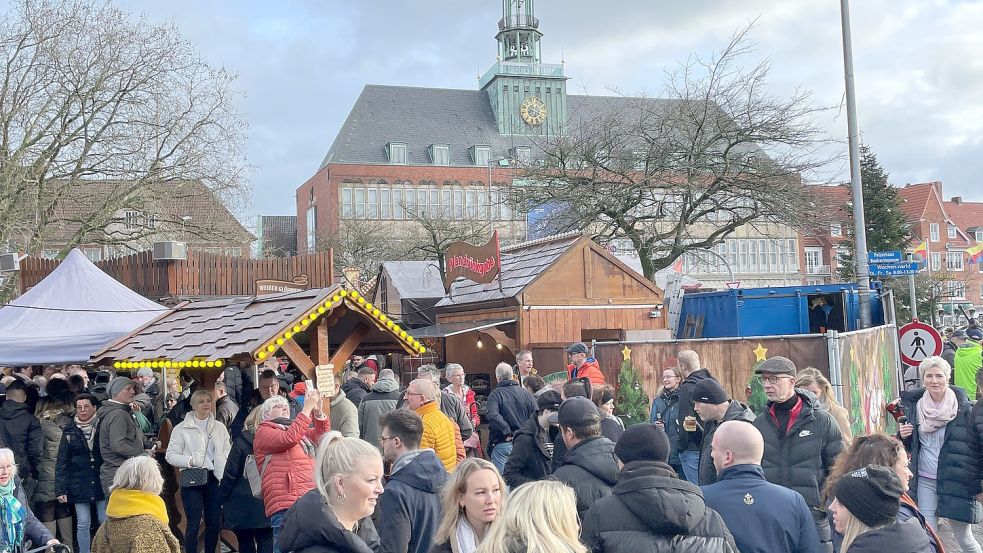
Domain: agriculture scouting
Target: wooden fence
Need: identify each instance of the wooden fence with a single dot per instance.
(201, 274)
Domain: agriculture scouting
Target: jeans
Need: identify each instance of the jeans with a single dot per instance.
(500, 455)
(691, 466)
(198, 501)
(276, 523)
(928, 504)
(255, 540)
(83, 522)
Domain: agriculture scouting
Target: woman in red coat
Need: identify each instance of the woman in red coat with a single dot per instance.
(284, 452)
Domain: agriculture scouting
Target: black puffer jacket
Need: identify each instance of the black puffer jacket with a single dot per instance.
(591, 469)
(242, 510)
(652, 511)
(899, 537)
(77, 467)
(530, 459)
(801, 459)
(736, 411)
(355, 390)
(24, 436)
(311, 527)
(959, 461)
(689, 441)
(508, 407)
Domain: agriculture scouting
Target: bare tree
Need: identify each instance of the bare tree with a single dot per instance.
(436, 231)
(361, 243)
(100, 114)
(680, 172)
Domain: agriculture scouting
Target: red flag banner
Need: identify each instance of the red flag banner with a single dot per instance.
(476, 263)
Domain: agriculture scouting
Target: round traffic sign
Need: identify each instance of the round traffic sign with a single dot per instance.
(918, 341)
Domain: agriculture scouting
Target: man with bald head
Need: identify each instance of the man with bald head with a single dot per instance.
(763, 517)
(439, 432)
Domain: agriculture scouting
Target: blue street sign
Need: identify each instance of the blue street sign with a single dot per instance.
(884, 257)
(894, 269)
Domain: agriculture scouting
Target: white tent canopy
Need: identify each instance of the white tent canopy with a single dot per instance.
(71, 314)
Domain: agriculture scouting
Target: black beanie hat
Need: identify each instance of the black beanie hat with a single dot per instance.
(872, 494)
(643, 442)
(710, 391)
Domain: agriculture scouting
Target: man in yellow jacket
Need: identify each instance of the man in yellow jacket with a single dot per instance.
(439, 432)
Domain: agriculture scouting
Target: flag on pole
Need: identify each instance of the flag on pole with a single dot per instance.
(975, 253)
(922, 250)
(678, 265)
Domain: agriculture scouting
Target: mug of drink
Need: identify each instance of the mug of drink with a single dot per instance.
(689, 424)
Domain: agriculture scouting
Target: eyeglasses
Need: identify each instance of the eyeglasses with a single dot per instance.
(383, 439)
(774, 379)
(6, 468)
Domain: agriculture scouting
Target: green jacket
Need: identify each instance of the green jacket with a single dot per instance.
(968, 359)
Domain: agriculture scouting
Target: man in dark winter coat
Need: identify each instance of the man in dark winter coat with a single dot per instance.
(410, 506)
(801, 439)
(651, 509)
(690, 436)
(24, 435)
(359, 385)
(381, 400)
(118, 435)
(714, 406)
(763, 517)
(589, 466)
(508, 407)
(532, 446)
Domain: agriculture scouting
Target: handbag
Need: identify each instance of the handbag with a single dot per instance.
(195, 477)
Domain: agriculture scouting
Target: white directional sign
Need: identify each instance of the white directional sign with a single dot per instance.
(918, 341)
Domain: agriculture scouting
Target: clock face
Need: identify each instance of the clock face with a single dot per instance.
(533, 111)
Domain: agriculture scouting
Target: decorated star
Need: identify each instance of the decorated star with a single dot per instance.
(626, 353)
(760, 353)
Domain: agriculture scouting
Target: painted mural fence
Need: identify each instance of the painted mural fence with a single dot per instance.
(865, 376)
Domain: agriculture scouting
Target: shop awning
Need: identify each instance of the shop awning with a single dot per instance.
(443, 330)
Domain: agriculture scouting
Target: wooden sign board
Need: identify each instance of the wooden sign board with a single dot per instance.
(325, 379)
(271, 286)
(479, 264)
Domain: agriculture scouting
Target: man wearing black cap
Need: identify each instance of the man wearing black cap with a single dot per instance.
(589, 466)
(714, 406)
(532, 446)
(581, 365)
(650, 509)
(801, 440)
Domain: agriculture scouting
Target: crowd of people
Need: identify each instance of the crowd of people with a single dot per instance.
(380, 467)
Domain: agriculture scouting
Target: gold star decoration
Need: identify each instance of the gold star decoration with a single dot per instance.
(760, 353)
(626, 353)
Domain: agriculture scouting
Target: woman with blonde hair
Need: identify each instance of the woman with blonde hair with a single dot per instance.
(472, 499)
(541, 518)
(811, 379)
(336, 516)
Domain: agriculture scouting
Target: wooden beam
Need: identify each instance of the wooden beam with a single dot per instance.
(501, 338)
(297, 355)
(319, 342)
(348, 347)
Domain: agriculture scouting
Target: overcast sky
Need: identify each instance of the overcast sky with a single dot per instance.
(919, 69)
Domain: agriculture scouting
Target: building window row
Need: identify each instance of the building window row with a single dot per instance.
(451, 202)
(747, 255)
(439, 154)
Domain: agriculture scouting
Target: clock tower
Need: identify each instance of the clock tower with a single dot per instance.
(527, 96)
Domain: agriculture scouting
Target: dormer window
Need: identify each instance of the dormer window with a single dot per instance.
(396, 151)
(440, 154)
(481, 155)
(522, 154)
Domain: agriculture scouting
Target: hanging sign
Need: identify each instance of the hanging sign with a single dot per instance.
(479, 264)
(271, 286)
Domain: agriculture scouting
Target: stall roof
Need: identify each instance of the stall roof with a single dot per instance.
(415, 279)
(223, 328)
(443, 330)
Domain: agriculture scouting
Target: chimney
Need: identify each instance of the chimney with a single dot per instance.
(957, 200)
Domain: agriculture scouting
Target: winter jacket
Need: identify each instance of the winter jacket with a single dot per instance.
(763, 517)
(77, 467)
(119, 439)
(949, 352)
(410, 506)
(355, 390)
(134, 533)
(802, 458)
(967, 362)
(591, 469)
(25, 436)
(907, 511)
(665, 407)
(344, 415)
(381, 399)
(290, 472)
(651, 510)
(898, 537)
(689, 441)
(310, 526)
(188, 445)
(959, 461)
(507, 408)
(439, 434)
(590, 369)
(530, 458)
(33, 529)
(469, 402)
(226, 411)
(234, 384)
(242, 510)
(612, 428)
(451, 406)
(53, 422)
(842, 418)
(736, 411)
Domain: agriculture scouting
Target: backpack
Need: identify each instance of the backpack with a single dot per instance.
(255, 476)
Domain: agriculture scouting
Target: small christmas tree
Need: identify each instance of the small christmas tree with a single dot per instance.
(633, 403)
(757, 400)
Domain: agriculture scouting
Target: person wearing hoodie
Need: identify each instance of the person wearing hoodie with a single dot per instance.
(690, 436)
(357, 387)
(118, 435)
(243, 513)
(966, 363)
(532, 446)
(715, 407)
(136, 518)
(865, 511)
(410, 505)
(589, 465)
(344, 413)
(382, 399)
(582, 365)
(651, 509)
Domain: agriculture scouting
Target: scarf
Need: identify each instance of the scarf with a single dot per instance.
(12, 515)
(88, 429)
(465, 540)
(125, 503)
(932, 418)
